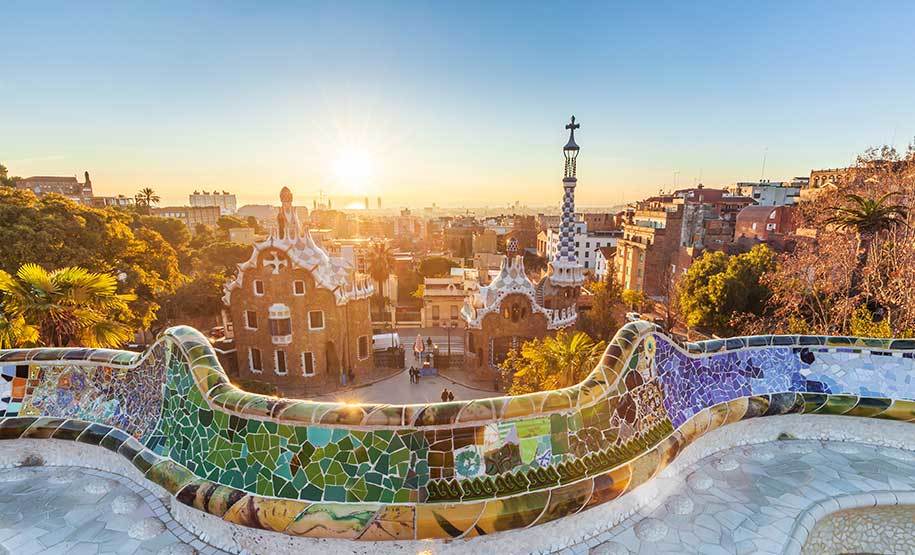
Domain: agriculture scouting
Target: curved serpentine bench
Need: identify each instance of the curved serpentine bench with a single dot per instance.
(442, 470)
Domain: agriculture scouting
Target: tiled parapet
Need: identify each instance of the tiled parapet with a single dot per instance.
(441, 470)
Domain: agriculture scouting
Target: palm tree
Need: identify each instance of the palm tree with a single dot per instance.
(147, 197)
(567, 357)
(380, 265)
(867, 217)
(69, 306)
(14, 332)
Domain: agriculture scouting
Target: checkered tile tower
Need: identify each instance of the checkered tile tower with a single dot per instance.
(565, 271)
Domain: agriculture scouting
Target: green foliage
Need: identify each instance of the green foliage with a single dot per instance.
(172, 230)
(146, 198)
(225, 223)
(436, 266)
(5, 179)
(14, 332)
(865, 215)
(717, 287)
(222, 257)
(55, 232)
(862, 324)
(551, 363)
(69, 306)
(634, 299)
(200, 296)
(601, 320)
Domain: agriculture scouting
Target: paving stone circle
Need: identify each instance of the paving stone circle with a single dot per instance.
(146, 529)
(651, 530)
(125, 504)
(727, 464)
(700, 481)
(98, 486)
(681, 505)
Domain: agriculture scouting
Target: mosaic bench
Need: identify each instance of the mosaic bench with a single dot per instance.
(441, 470)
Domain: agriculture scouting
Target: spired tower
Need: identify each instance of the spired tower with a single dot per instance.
(565, 275)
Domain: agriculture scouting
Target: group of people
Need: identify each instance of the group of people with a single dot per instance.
(414, 378)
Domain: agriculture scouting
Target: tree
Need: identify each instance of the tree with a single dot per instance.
(436, 266)
(222, 256)
(172, 230)
(533, 263)
(252, 222)
(859, 251)
(5, 179)
(55, 232)
(69, 306)
(601, 320)
(14, 332)
(866, 217)
(717, 288)
(633, 298)
(146, 198)
(200, 297)
(551, 363)
(380, 261)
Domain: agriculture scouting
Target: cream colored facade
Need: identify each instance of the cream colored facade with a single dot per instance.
(442, 301)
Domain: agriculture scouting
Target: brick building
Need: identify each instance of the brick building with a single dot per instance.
(300, 317)
(666, 233)
(773, 225)
(69, 187)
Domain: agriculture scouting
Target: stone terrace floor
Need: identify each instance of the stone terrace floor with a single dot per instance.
(398, 390)
(78, 511)
(740, 500)
(748, 499)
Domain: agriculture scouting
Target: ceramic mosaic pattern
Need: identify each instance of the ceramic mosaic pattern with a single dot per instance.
(13, 384)
(441, 470)
(128, 398)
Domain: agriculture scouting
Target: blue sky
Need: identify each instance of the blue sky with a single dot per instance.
(460, 104)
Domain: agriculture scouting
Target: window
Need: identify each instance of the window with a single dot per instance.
(280, 324)
(258, 288)
(454, 312)
(250, 319)
(254, 360)
(279, 362)
(436, 312)
(770, 227)
(308, 364)
(363, 347)
(316, 320)
(298, 288)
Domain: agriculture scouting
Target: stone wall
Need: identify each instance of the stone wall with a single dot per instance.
(441, 470)
(343, 325)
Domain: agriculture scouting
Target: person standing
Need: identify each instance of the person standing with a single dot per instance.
(450, 396)
(444, 394)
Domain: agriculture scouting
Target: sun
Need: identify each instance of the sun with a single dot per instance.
(354, 168)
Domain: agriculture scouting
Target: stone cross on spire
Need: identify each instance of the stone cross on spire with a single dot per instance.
(573, 126)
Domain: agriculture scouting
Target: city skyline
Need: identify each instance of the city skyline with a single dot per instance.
(341, 100)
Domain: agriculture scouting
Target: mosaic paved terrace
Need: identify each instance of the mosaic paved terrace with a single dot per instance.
(441, 470)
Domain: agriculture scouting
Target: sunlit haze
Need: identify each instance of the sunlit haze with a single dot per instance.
(461, 105)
